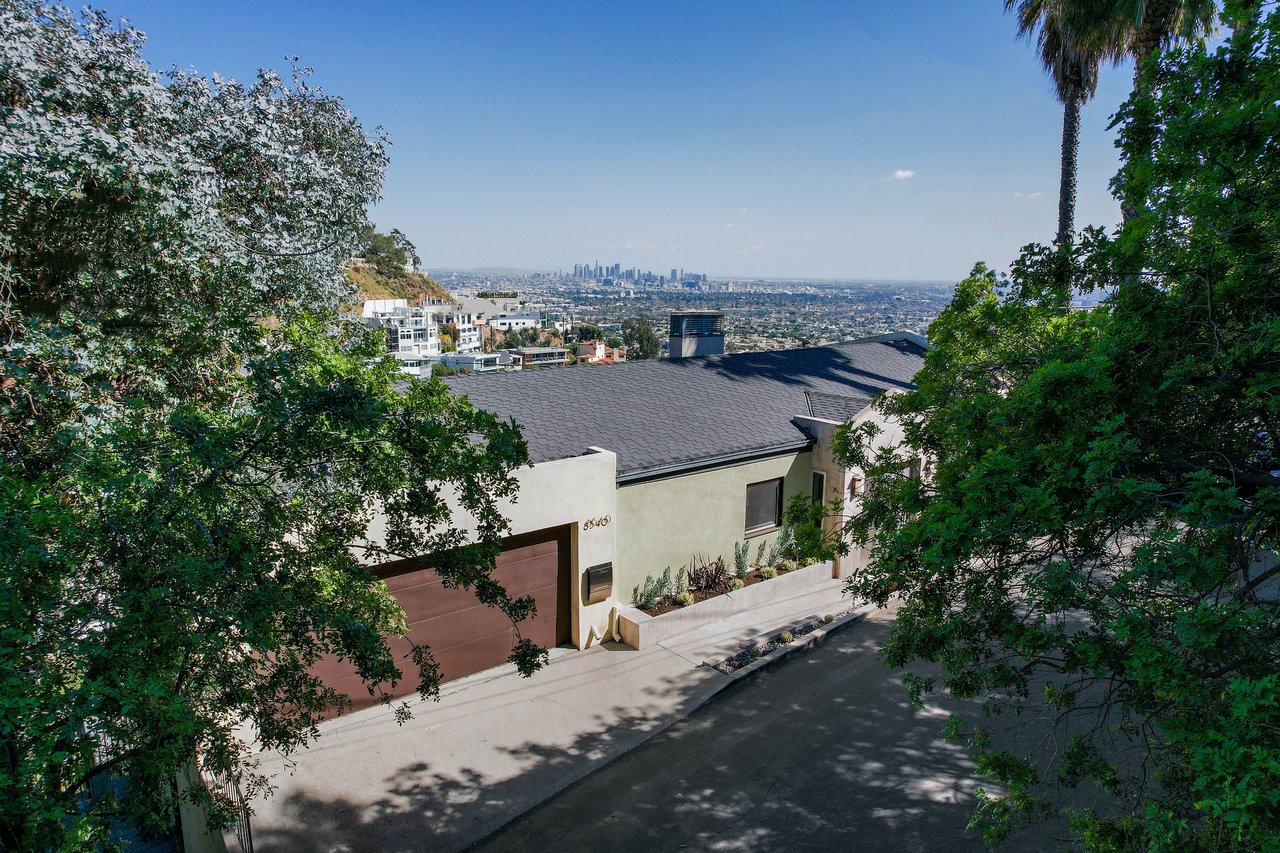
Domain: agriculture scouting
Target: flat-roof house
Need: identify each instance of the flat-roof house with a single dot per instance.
(475, 362)
(640, 466)
(541, 356)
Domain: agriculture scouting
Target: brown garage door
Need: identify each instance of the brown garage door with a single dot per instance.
(464, 635)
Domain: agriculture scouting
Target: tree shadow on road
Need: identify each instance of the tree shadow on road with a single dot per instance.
(822, 751)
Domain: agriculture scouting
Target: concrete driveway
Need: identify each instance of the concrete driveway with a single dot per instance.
(821, 752)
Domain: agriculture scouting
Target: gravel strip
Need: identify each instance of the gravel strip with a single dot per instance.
(754, 652)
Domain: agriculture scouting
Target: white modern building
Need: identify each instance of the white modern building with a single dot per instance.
(475, 362)
(414, 332)
(464, 322)
(509, 322)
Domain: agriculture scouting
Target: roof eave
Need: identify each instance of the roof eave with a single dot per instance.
(706, 463)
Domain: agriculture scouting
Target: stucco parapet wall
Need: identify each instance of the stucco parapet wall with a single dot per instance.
(642, 631)
(583, 485)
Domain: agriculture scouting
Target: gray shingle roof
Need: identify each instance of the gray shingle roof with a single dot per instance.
(654, 414)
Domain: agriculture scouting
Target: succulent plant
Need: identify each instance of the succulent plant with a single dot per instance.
(736, 584)
(684, 599)
(828, 618)
(786, 637)
(768, 572)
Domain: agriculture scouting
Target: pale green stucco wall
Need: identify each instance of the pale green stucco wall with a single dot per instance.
(665, 522)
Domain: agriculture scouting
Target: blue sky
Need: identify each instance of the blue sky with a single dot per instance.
(733, 138)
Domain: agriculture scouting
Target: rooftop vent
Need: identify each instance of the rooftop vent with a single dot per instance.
(695, 333)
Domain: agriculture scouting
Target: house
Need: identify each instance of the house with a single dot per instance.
(464, 323)
(475, 362)
(414, 332)
(482, 308)
(510, 322)
(541, 356)
(643, 465)
(595, 352)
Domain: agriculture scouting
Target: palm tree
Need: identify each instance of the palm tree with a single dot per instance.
(1154, 24)
(1071, 58)
(1075, 36)
(1144, 28)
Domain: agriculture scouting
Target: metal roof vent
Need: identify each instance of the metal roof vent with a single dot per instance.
(695, 333)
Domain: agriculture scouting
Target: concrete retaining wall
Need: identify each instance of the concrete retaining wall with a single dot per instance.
(641, 631)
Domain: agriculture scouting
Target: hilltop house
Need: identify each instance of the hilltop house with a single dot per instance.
(414, 331)
(642, 465)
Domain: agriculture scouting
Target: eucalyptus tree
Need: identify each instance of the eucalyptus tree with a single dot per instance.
(193, 439)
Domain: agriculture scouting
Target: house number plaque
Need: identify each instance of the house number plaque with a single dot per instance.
(593, 523)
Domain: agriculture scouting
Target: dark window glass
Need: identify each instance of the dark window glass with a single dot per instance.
(764, 505)
(819, 486)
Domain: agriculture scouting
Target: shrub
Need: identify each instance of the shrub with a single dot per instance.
(740, 560)
(647, 594)
(806, 541)
(787, 566)
(768, 572)
(735, 584)
(828, 618)
(781, 544)
(786, 637)
(707, 577)
(760, 552)
(684, 599)
(681, 584)
(654, 590)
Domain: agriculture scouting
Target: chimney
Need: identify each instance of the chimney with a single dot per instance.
(695, 333)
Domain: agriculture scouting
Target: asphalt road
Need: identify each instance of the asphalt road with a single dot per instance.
(819, 752)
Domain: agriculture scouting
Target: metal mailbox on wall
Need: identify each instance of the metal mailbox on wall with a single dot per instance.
(599, 583)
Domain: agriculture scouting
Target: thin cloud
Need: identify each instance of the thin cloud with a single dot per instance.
(902, 174)
(728, 225)
(1021, 194)
(752, 248)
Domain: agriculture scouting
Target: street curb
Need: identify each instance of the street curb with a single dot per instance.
(808, 641)
(726, 682)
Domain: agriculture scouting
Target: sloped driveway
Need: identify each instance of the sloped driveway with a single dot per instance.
(821, 752)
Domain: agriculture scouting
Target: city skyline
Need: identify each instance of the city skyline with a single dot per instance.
(820, 142)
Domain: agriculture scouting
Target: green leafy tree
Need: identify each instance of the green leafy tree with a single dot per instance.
(449, 337)
(522, 338)
(193, 441)
(641, 340)
(588, 332)
(1096, 540)
(391, 254)
(811, 541)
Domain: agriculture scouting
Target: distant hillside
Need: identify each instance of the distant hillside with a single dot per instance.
(414, 287)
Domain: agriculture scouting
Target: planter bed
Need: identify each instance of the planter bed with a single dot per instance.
(753, 577)
(641, 629)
